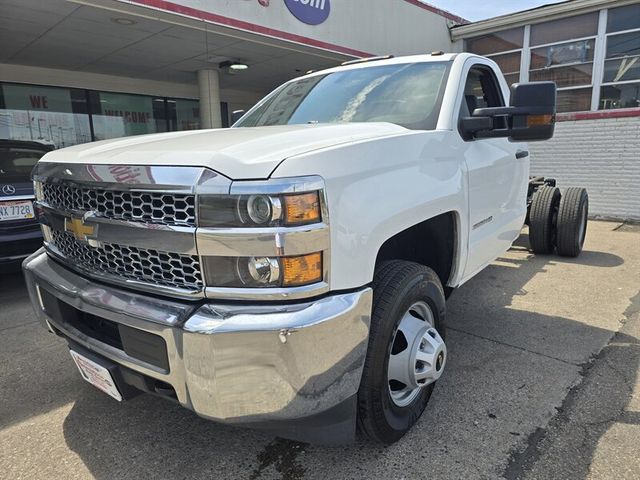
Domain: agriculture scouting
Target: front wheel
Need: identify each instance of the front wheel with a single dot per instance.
(406, 353)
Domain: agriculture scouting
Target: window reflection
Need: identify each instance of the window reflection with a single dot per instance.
(63, 116)
(623, 18)
(580, 26)
(497, 42)
(404, 94)
(620, 96)
(621, 76)
(121, 115)
(46, 114)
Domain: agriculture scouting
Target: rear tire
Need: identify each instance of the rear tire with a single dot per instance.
(385, 411)
(572, 221)
(542, 217)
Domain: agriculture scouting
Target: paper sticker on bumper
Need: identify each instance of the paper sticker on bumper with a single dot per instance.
(96, 375)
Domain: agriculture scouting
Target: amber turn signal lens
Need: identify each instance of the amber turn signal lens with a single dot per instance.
(302, 270)
(538, 120)
(301, 209)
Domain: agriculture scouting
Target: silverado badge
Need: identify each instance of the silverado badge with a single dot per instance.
(78, 228)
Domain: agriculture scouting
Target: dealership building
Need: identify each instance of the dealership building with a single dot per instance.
(73, 71)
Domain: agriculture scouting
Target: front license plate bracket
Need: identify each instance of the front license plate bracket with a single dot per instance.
(121, 390)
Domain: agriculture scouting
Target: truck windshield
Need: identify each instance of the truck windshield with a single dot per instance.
(407, 94)
(16, 163)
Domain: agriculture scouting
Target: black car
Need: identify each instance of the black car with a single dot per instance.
(19, 230)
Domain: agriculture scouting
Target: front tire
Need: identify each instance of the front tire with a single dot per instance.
(406, 353)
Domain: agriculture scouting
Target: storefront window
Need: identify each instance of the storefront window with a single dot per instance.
(48, 114)
(509, 63)
(184, 114)
(623, 18)
(621, 78)
(620, 96)
(564, 51)
(121, 115)
(68, 116)
(562, 54)
(497, 42)
(494, 46)
(580, 26)
(567, 63)
(622, 69)
(575, 100)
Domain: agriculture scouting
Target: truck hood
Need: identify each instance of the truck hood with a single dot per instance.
(238, 153)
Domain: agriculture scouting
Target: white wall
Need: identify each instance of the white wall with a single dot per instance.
(373, 26)
(601, 155)
(95, 81)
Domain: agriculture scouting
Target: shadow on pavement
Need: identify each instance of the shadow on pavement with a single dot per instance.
(495, 392)
(587, 257)
(36, 374)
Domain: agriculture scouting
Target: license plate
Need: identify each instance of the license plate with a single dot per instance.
(18, 210)
(96, 375)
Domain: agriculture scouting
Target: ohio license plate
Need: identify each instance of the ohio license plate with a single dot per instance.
(17, 210)
(96, 375)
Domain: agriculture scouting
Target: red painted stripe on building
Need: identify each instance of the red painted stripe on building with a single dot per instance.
(246, 26)
(438, 11)
(601, 114)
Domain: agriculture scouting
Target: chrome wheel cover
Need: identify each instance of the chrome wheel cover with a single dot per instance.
(417, 355)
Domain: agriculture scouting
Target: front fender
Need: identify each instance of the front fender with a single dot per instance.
(378, 188)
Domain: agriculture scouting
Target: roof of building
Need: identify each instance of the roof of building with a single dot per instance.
(458, 20)
(547, 12)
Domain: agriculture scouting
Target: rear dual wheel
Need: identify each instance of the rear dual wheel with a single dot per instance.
(406, 353)
(572, 222)
(558, 221)
(542, 219)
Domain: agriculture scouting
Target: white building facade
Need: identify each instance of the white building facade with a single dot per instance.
(77, 71)
(591, 49)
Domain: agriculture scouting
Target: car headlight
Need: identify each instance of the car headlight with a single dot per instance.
(259, 210)
(264, 272)
(270, 234)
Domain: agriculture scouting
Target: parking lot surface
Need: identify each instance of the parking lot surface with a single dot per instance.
(542, 382)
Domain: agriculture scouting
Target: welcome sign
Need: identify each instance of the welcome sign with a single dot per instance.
(311, 12)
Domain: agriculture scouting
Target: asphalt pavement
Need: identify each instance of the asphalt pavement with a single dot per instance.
(542, 382)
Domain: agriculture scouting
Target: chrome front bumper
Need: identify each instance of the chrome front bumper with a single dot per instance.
(235, 363)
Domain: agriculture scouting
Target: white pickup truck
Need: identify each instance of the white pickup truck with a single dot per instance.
(291, 272)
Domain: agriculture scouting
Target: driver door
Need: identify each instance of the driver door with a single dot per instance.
(497, 180)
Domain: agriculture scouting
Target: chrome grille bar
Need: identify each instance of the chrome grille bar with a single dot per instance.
(140, 264)
(152, 207)
(131, 225)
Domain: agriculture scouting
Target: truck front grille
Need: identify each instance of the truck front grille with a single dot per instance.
(144, 265)
(153, 207)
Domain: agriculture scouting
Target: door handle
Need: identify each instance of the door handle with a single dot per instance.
(522, 154)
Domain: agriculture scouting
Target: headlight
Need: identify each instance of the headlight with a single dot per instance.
(263, 272)
(262, 209)
(259, 210)
(265, 238)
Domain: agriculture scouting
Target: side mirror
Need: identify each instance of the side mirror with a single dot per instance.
(535, 115)
(531, 116)
(236, 115)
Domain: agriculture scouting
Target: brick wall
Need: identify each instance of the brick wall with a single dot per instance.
(602, 155)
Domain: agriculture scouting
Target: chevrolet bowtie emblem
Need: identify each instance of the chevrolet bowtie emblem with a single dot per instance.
(78, 228)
